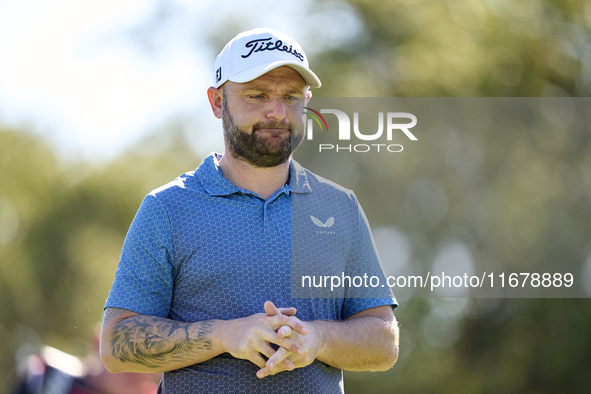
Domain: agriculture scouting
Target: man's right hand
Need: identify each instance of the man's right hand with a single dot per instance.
(131, 342)
(250, 337)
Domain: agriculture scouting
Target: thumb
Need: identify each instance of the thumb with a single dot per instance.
(271, 309)
(288, 311)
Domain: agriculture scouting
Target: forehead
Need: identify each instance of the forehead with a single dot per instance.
(283, 77)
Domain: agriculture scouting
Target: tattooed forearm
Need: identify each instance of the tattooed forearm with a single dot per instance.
(202, 334)
(156, 342)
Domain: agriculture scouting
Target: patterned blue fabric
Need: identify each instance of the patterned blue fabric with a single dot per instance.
(201, 248)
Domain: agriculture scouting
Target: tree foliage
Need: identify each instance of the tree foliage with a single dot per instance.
(62, 231)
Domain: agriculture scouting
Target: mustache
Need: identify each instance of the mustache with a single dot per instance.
(271, 125)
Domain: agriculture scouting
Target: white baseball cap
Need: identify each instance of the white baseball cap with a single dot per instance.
(252, 53)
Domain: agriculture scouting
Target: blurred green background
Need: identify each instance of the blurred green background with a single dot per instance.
(63, 221)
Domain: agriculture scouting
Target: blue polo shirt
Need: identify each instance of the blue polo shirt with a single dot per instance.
(200, 248)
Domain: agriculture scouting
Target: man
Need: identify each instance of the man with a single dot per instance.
(207, 261)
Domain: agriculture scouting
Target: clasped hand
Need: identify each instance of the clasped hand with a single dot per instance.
(251, 336)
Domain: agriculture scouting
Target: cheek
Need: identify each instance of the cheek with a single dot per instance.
(297, 119)
(245, 117)
(297, 112)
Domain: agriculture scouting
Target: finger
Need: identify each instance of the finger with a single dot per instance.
(284, 332)
(280, 355)
(264, 372)
(287, 365)
(291, 321)
(292, 347)
(271, 309)
(256, 359)
(266, 350)
(288, 344)
(288, 311)
(276, 363)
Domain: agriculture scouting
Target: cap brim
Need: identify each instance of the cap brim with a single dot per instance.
(254, 72)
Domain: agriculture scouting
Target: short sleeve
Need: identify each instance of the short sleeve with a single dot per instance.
(144, 278)
(365, 262)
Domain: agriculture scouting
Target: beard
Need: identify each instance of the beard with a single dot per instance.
(256, 149)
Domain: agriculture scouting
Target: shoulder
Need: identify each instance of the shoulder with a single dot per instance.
(322, 188)
(191, 182)
(164, 200)
(185, 182)
(327, 185)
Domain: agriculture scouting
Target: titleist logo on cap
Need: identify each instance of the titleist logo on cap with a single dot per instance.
(265, 44)
(255, 52)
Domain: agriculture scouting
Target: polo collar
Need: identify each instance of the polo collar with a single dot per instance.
(212, 178)
(298, 180)
(215, 184)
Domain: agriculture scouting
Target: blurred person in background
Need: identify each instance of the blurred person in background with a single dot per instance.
(55, 372)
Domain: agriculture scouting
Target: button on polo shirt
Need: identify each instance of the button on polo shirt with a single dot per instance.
(200, 248)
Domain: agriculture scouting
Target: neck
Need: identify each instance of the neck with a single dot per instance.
(262, 181)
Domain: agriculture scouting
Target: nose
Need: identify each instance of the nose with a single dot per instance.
(277, 108)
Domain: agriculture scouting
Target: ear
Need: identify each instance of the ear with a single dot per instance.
(308, 96)
(215, 96)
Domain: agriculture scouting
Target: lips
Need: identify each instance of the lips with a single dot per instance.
(271, 127)
(272, 131)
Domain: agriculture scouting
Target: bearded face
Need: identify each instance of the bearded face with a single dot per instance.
(261, 149)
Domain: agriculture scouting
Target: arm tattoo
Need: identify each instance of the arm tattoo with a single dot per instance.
(155, 342)
(107, 316)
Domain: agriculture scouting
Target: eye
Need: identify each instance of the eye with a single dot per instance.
(292, 99)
